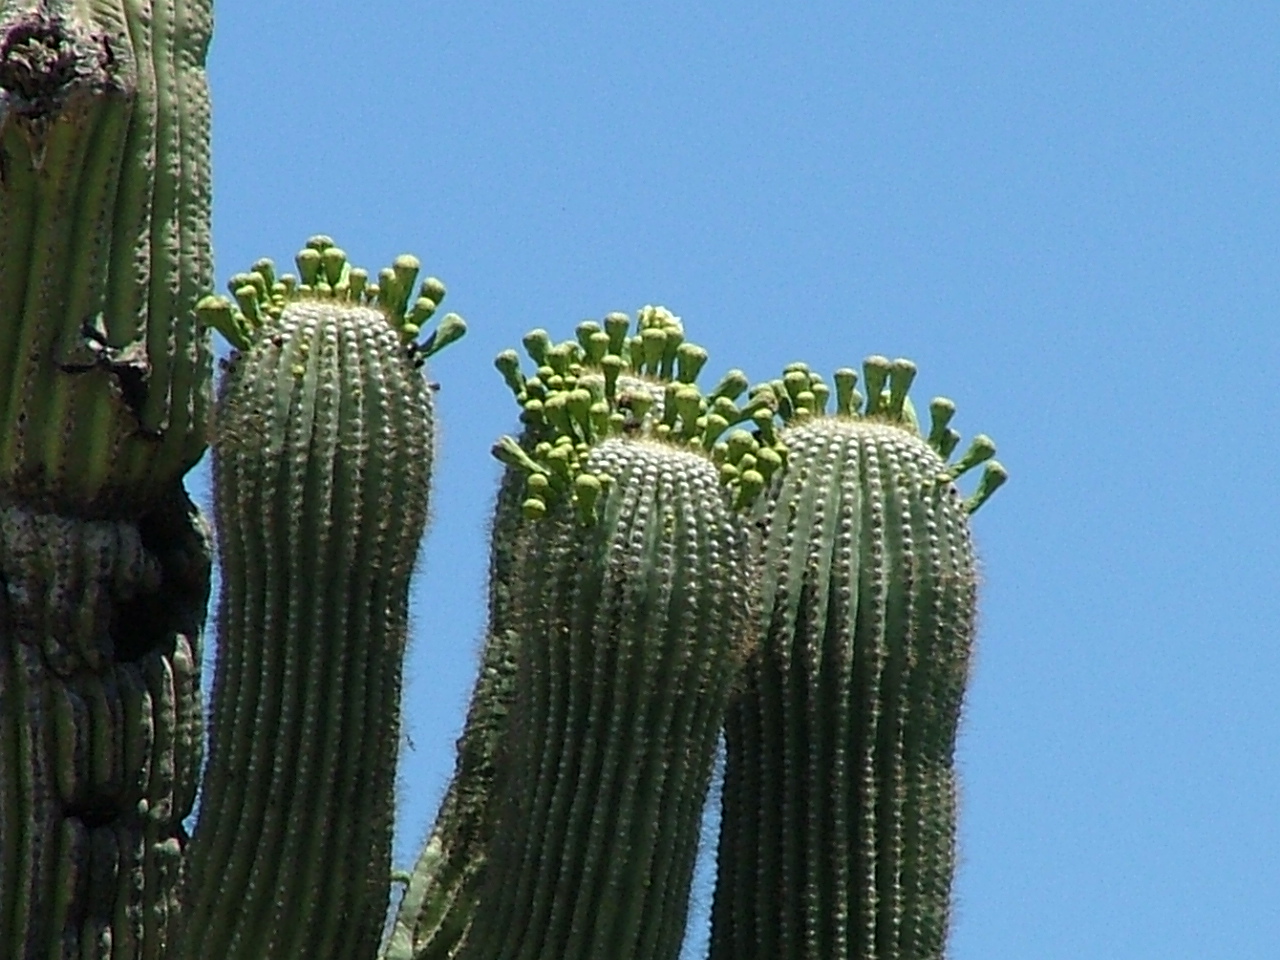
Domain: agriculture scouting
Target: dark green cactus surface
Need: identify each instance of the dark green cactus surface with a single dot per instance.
(100, 728)
(838, 822)
(322, 460)
(104, 249)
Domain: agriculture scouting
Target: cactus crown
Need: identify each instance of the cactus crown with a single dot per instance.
(800, 394)
(613, 382)
(324, 274)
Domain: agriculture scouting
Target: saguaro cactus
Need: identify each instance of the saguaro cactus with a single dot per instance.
(838, 825)
(438, 905)
(322, 461)
(104, 384)
(630, 583)
(629, 611)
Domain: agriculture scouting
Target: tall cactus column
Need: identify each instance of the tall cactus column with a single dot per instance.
(838, 825)
(630, 614)
(438, 907)
(321, 467)
(104, 391)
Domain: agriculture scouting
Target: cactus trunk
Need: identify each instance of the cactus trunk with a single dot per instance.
(104, 390)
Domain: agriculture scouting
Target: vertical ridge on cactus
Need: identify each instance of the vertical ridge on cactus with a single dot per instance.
(838, 823)
(322, 464)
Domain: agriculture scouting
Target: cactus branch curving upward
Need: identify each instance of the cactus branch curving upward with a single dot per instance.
(322, 461)
(620, 611)
(838, 825)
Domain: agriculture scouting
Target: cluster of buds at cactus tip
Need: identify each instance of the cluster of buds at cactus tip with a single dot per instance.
(322, 462)
(607, 383)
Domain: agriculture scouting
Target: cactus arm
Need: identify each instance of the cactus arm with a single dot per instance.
(625, 614)
(633, 627)
(321, 470)
(838, 825)
(436, 911)
(436, 915)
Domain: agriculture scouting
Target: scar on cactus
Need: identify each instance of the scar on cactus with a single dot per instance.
(127, 367)
(321, 467)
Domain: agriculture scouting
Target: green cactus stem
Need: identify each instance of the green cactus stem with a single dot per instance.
(100, 728)
(322, 460)
(605, 454)
(104, 249)
(838, 822)
(630, 630)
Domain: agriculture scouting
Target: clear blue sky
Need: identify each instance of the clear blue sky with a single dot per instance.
(1067, 214)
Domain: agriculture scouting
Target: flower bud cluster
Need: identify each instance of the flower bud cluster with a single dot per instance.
(613, 381)
(324, 273)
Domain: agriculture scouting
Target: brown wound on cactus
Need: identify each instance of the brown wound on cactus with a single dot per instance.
(611, 382)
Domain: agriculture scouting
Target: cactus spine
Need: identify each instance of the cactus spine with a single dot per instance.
(838, 826)
(321, 467)
(104, 387)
